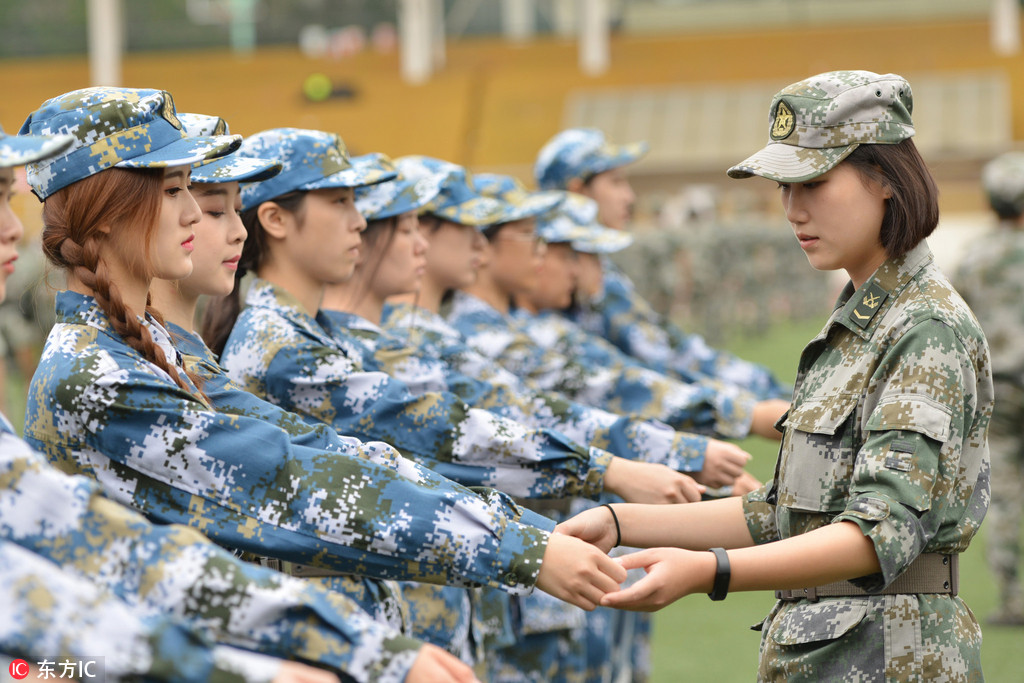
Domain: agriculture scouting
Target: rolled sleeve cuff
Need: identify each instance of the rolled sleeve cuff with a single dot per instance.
(687, 454)
(523, 545)
(734, 413)
(894, 530)
(593, 484)
(759, 515)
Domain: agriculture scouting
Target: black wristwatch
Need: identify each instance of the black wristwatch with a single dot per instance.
(722, 574)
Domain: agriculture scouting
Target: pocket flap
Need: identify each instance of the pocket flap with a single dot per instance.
(821, 414)
(813, 622)
(912, 413)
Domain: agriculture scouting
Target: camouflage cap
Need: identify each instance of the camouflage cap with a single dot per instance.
(1003, 180)
(225, 169)
(816, 123)
(18, 150)
(581, 153)
(575, 221)
(457, 201)
(114, 127)
(524, 203)
(397, 196)
(311, 160)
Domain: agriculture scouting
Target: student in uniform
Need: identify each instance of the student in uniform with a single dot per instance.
(111, 398)
(607, 304)
(71, 573)
(883, 474)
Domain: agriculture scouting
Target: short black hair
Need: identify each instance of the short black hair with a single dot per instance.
(912, 212)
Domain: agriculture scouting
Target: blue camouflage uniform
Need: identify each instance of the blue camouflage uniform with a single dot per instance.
(168, 588)
(98, 407)
(618, 313)
(618, 386)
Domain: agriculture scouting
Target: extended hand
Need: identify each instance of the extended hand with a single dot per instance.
(434, 665)
(645, 482)
(723, 462)
(594, 526)
(671, 574)
(578, 572)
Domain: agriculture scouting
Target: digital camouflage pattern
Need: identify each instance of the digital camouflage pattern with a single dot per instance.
(97, 407)
(457, 201)
(525, 204)
(575, 221)
(1003, 181)
(815, 123)
(620, 315)
(122, 127)
(454, 366)
(397, 196)
(990, 278)
(581, 153)
(18, 150)
(888, 431)
(173, 577)
(280, 352)
(594, 374)
(310, 160)
(53, 615)
(381, 599)
(231, 167)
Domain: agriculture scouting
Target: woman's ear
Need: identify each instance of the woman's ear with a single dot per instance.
(575, 185)
(275, 220)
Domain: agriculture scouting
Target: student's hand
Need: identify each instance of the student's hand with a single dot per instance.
(434, 665)
(766, 414)
(296, 672)
(646, 482)
(671, 574)
(595, 526)
(578, 572)
(745, 483)
(723, 462)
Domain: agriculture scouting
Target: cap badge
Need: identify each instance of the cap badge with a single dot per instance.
(783, 122)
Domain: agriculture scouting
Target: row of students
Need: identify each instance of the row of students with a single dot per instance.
(181, 410)
(91, 577)
(875, 519)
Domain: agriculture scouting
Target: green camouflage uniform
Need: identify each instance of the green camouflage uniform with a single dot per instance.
(991, 280)
(887, 430)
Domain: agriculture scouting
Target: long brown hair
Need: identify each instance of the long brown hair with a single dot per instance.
(128, 202)
(222, 312)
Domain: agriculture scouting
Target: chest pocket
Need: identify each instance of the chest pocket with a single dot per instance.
(818, 454)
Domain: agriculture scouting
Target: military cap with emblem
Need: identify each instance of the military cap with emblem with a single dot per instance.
(114, 127)
(311, 160)
(817, 122)
(228, 168)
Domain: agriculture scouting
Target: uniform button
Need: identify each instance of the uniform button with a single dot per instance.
(945, 560)
(945, 584)
(511, 579)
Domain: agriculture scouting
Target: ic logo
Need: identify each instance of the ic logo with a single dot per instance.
(18, 669)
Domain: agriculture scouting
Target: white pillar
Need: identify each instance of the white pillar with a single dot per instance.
(1005, 27)
(517, 20)
(437, 33)
(563, 17)
(415, 31)
(106, 40)
(243, 25)
(595, 28)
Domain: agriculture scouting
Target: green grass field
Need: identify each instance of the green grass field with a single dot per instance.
(697, 640)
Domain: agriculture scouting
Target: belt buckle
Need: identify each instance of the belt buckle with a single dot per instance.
(810, 594)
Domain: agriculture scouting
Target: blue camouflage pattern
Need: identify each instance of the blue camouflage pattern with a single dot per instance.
(228, 168)
(397, 196)
(278, 351)
(620, 315)
(18, 150)
(524, 203)
(122, 127)
(581, 153)
(585, 370)
(457, 201)
(97, 407)
(310, 160)
(174, 573)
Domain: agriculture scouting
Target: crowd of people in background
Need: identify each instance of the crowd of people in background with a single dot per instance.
(303, 415)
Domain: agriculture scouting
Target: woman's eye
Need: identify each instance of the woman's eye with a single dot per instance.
(215, 214)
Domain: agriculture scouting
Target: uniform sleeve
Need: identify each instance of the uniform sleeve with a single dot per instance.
(472, 446)
(243, 483)
(760, 515)
(916, 476)
(631, 324)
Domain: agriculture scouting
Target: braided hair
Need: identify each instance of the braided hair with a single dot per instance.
(126, 203)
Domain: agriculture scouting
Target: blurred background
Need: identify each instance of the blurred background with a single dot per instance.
(486, 83)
